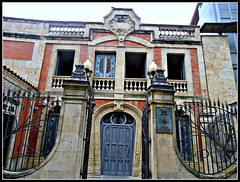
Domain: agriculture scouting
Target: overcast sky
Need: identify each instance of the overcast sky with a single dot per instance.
(153, 12)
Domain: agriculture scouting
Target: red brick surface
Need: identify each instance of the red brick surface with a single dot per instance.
(141, 35)
(83, 53)
(18, 50)
(158, 56)
(109, 43)
(138, 104)
(128, 43)
(45, 67)
(195, 73)
(97, 35)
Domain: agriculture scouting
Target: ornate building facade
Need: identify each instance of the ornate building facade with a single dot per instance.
(120, 50)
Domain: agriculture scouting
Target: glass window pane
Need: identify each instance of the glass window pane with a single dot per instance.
(110, 66)
(105, 65)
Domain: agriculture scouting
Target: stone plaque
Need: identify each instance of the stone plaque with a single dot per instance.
(164, 120)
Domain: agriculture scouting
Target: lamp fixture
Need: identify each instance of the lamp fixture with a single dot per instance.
(87, 66)
(151, 69)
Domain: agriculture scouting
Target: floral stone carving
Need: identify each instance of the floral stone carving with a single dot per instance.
(121, 25)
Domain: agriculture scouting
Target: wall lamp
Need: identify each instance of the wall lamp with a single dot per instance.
(152, 69)
(87, 67)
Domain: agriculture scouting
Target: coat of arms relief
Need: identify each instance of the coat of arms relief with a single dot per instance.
(121, 25)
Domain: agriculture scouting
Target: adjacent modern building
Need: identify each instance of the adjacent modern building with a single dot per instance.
(220, 13)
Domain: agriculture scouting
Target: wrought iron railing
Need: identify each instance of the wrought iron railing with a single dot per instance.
(30, 122)
(207, 136)
(145, 141)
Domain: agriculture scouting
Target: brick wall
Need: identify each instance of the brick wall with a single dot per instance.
(99, 103)
(45, 67)
(97, 35)
(18, 50)
(141, 35)
(126, 42)
(138, 104)
(158, 56)
(83, 53)
(195, 73)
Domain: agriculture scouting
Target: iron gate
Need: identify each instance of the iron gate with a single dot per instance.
(145, 141)
(206, 133)
(30, 123)
(90, 106)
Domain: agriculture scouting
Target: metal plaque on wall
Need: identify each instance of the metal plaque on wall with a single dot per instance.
(164, 120)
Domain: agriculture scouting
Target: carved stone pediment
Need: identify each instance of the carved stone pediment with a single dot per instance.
(121, 25)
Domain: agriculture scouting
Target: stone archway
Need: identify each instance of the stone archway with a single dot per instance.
(94, 168)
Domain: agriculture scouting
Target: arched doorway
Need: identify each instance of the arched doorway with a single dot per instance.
(117, 144)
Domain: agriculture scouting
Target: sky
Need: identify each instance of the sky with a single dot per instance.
(152, 12)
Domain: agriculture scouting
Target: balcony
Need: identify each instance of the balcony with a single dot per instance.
(179, 85)
(179, 33)
(69, 29)
(130, 84)
(100, 83)
(135, 84)
(57, 81)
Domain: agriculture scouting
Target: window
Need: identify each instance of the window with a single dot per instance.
(175, 64)
(105, 65)
(135, 65)
(64, 66)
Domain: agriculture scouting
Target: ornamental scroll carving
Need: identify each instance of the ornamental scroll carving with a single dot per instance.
(121, 25)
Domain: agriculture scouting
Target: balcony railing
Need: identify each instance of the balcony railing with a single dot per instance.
(177, 33)
(57, 81)
(103, 83)
(77, 28)
(130, 84)
(179, 85)
(135, 84)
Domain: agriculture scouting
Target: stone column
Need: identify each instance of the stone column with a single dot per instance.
(70, 150)
(162, 157)
(66, 158)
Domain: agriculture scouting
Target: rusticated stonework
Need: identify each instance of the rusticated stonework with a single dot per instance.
(121, 25)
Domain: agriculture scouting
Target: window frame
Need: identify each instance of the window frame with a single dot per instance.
(58, 63)
(105, 64)
(183, 71)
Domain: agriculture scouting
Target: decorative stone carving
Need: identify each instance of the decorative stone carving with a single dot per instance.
(79, 73)
(160, 81)
(121, 25)
(118, 105)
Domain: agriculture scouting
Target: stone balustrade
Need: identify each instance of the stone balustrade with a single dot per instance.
(130, 84)
(67, 29)
(179, 85)
(57, 81)
(103, 83)
(177, 33)
(135, 84)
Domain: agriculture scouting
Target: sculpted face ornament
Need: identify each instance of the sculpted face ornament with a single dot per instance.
(121, 25)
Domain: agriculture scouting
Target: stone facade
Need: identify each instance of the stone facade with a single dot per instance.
(120, 34)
